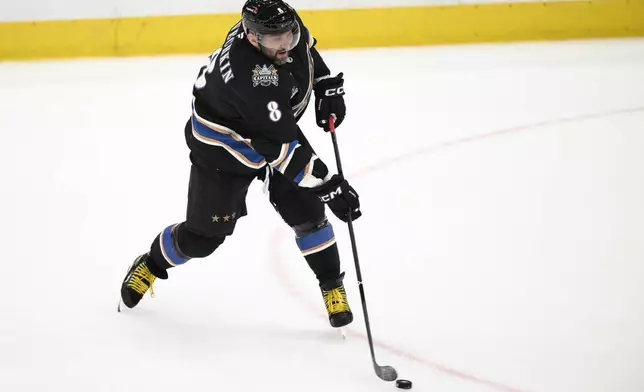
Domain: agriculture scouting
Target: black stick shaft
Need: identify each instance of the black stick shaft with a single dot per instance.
(353, 245)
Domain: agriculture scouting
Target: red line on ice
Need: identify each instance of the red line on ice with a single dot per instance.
(289, 286)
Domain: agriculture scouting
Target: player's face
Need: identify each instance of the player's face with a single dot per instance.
(277, 46)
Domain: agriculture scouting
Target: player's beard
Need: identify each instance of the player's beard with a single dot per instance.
(279, 57)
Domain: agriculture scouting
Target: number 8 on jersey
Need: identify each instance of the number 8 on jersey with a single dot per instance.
(274, 112)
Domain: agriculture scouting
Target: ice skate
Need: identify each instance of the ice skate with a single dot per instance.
(137, 282)
(335, 300)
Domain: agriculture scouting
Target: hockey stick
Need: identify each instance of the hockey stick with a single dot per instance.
(386, 373)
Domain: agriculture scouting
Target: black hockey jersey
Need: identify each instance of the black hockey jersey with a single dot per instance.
(248, 108)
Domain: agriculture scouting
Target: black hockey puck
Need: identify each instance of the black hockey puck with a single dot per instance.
(403, 384)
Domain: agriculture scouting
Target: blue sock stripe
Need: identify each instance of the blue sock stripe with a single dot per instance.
(168, 249)
(316, 241)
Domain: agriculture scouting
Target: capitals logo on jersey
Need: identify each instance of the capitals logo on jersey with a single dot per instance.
(265, 76)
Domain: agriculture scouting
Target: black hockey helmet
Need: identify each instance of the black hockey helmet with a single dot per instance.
(265, 18)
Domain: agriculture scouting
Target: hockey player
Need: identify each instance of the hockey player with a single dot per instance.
(247, 101)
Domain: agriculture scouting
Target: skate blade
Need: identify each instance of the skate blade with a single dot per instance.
(121, 307)
(343, 333)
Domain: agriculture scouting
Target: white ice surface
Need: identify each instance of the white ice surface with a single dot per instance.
(502, 242)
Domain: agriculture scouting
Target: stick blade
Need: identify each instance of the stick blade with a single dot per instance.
(386, 373)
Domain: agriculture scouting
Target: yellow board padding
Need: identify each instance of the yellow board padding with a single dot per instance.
(114, 37)
(338, 28)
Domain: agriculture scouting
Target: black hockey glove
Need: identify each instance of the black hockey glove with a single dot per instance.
(329, 99)
(340, 197)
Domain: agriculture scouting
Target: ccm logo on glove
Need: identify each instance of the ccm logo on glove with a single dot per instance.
(334, 91)
(331, 195)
